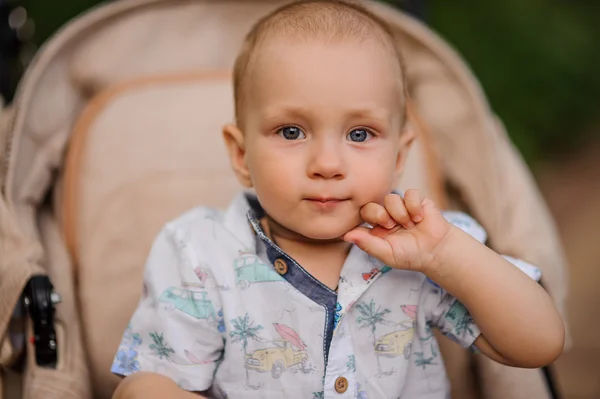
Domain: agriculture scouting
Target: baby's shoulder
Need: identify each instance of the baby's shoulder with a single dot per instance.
(196, 224)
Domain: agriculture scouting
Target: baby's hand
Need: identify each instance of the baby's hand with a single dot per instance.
(407, 233)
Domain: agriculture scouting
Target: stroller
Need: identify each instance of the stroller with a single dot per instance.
(115, 130)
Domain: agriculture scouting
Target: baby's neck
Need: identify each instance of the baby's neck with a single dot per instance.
(323, 259)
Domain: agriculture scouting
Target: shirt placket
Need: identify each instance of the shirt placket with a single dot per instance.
(358, 274)
(340, 380)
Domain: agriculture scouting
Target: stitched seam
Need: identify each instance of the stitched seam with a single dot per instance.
(325, 351)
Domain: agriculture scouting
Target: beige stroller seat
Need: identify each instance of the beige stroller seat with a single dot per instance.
(116, 128)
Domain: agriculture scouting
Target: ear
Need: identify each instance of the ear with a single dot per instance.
(407, 138)
(236, 148)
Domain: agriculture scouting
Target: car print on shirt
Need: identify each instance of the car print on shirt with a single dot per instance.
(249, 269)
(399, 343)
(286, 353)
(396, 343)
(192, 302)
(374, 272)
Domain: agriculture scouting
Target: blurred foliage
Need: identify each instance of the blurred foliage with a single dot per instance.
(538, 63)
(50, 15)
(537, 60)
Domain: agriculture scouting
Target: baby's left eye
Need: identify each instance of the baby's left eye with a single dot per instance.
(359, 135)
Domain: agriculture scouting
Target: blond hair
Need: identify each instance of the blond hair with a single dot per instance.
(329, 20)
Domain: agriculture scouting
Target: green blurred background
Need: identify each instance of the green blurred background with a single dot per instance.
(537, 60)
(538, 63)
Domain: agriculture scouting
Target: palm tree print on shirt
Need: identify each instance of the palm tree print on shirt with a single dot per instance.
(244, 330)
(422, 361)
(351, 364)
(370, 316)
(160, 348)
(460, 317)
(428, 341)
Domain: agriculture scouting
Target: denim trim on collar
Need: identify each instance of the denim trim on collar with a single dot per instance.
(297, 276)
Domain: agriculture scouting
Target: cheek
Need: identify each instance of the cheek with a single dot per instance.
(270, 168)
(375, 175)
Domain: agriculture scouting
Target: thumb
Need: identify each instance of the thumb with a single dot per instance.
(374, 246)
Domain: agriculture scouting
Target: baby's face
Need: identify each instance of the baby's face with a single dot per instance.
(323, 132)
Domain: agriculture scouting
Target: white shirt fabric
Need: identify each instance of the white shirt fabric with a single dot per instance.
(227, 312)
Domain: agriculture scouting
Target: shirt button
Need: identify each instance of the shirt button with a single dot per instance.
(280, 266)
(341, 385)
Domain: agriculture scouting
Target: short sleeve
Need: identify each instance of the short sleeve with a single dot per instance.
(475, 230)
(451, 317)
(444, 311)
(177, 327)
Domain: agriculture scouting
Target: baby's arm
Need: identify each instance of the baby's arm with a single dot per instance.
(519, 324)
(145, 385)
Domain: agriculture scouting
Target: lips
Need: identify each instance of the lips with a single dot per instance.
(326, 204)
(326, 199)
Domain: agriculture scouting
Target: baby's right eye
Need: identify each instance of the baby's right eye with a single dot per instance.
(291, 133)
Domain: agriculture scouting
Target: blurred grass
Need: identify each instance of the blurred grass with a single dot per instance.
(537, 60)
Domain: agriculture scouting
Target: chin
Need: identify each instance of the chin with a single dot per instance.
(324, 236)
(327, 232)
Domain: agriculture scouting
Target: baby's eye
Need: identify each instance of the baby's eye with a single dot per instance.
(291, 133)
(359, 135)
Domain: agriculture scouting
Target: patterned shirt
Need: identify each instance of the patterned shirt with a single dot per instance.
(225, 310)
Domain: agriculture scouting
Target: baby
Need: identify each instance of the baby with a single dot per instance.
(324, 282)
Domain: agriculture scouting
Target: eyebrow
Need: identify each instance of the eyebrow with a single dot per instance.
(361, 112)
(367, 113)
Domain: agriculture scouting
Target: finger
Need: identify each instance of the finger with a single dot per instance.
(413, 199)
(382, 232)
(394, 205)
(372, 245)
(376, 215)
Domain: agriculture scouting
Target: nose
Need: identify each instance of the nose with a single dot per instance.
(326, 160)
